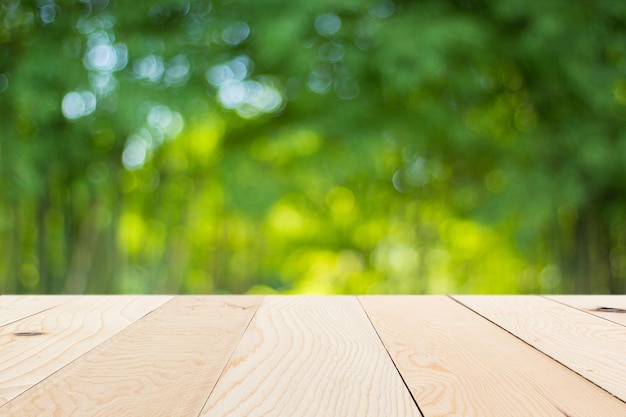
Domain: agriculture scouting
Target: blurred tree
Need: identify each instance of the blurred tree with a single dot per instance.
(353, 146)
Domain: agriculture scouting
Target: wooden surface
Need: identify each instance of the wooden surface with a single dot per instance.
(40, 344)
(312, 356)
(590, 346)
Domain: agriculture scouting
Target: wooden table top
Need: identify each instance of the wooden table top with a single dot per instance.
(324, 356)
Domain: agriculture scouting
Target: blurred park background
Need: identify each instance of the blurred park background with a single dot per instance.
(335, 146)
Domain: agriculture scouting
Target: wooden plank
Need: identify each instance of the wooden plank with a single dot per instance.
(592, 347)
(163, 365)
(610, 307)
(456, 363)
(39, 345)
(16, 307)
(310, 356)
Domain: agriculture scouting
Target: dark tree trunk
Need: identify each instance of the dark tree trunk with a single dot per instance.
(45, 284)
(588, 262)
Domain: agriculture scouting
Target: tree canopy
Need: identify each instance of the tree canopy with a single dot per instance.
(347, 146)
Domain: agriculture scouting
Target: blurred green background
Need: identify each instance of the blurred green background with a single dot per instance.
(337, 146)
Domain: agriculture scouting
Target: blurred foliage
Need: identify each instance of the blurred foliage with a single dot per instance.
(354, 146)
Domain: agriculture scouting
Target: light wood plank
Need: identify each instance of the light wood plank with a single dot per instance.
(39, 345)
(163, 365)
(593, 347)
(610, 307)
(458, 364)
(310, 356)
(16, 307)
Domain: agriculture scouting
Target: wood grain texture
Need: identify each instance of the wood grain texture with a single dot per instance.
(458, 364)
(310, 356)
(33, 348)
(593, 347)
(163, 365)
(610, 307)
(16, 307)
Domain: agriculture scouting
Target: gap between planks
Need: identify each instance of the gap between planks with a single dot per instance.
(391, 359)
(230, 356)
(14, 307)
(607, 307)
